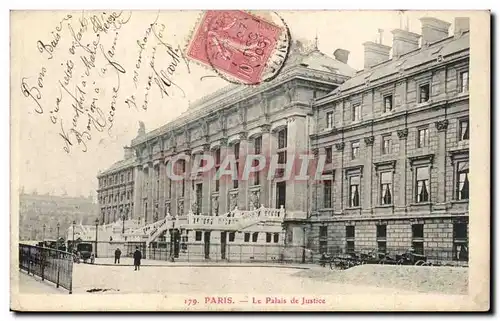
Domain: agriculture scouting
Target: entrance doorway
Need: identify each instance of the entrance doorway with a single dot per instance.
(175, 240)
(207, 245)
(223, 238)
(280, 194)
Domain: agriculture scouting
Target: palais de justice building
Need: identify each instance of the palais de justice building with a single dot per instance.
(395, 137)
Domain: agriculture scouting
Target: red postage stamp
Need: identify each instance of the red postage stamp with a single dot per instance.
(235, 43)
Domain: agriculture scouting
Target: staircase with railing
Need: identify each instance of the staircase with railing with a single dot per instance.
(234, 220)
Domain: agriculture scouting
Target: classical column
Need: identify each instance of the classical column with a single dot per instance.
(265, 183)
(296, 191)
(368, 176)
(338, 159)
(138, 190)
(149, 212)
(172, 187)
(401, 96)
(162, 185)
(440, 198)
(314, 201)
(401, 173)
(270, 180)
(188, 186)
(318, 185)
(207, 184)
(243, 192)
(225, 181)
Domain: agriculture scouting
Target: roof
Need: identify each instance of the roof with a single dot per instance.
(300, 56)
(122, 164)
(317, 60)
(408, 61)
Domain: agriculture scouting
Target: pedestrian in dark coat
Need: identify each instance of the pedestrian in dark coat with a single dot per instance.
(118, 253)
(137, 259)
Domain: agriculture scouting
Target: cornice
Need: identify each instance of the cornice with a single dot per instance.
(389, 79)
(229, 96)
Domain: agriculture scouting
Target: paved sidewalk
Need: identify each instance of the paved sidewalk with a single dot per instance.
(127, 261)
(34, 285)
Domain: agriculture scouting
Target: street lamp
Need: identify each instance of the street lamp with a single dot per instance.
(58, 226)
(43, 234)
(304, 244)
(73, 243)
(172, 240)
(96, 226)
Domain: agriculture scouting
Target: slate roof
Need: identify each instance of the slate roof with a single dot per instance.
(408, 61)
(122, 164)
(309, 58)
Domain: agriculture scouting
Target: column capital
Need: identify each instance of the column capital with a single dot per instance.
(266, 128)
(243, 135)
(442, 125)
(369, 140)
(403, 133)
(315, 152)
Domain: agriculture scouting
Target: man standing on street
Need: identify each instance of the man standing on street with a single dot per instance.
(137, 259)
(118, 253)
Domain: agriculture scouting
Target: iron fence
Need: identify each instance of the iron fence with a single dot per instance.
(49, 264)
(107, 249)
(235, 253)
(267, 253)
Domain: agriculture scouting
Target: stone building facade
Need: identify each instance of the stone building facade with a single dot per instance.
(272, 119)
(115, 193)
(394, 136)
(396, 139)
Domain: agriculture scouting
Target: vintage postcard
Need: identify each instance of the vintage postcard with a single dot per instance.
(250, 160)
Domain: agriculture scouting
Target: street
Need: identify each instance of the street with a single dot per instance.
(176, 279)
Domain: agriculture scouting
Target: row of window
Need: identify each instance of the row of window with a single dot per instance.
(460, 239)
(109, 198)
(270, 237)
(116, 179)
(113, 215)
(423, 140)
(424, 93)
(421, 187)
(257, 144)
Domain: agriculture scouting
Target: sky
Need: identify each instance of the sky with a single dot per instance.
(51, 71)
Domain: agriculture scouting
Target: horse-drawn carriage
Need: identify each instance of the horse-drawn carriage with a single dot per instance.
(348, 260)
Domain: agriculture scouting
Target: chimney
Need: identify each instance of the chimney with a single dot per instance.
(375, 53)
(433, 29)
(403, 42)
(128, 152)
(461, 25)
(341, 55)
